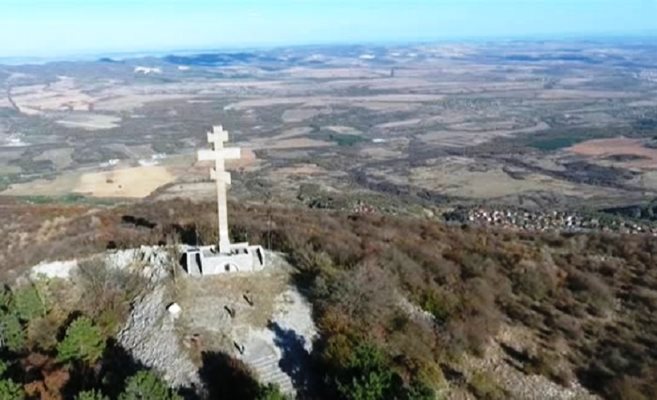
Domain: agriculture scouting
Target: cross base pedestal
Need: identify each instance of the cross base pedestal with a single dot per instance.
(207, 260)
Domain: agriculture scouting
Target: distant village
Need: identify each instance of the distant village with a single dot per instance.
(546, 221)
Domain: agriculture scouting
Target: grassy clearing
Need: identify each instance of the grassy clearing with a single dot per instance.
(556, 143)
(72, 198)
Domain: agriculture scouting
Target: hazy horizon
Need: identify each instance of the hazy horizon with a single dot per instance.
(61, 28)
(92, 55)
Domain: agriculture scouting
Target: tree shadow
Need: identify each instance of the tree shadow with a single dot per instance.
(117, 366)
(225, 377)
(296, 362)
(516, 358)
(138, 222)
(453, 375)
(109, 374)
(188, 234)
(61, 331)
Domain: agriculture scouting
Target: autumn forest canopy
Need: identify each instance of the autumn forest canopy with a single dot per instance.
(404, 306)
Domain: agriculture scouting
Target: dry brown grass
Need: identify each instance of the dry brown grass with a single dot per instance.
(137, 182)
(619, 147)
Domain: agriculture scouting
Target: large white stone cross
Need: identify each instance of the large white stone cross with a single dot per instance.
(219, 155)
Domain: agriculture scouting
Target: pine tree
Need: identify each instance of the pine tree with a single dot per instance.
(12, 335)
(270, 392)
(10, 390)
(368, 378)
(27, 303)
(83, 341)
(145, 385)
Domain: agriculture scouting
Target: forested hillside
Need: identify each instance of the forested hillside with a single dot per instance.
(404, 305)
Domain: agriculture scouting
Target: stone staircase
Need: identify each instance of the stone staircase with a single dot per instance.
(269, 372)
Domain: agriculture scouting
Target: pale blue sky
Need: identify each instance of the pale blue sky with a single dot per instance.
(63, 27)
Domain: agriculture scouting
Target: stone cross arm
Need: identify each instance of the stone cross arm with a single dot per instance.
(220, 155)
(228, 153)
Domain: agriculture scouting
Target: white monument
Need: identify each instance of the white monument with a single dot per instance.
(225, 256)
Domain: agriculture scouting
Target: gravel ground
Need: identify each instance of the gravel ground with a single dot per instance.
(520, 385)
(150, 336)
